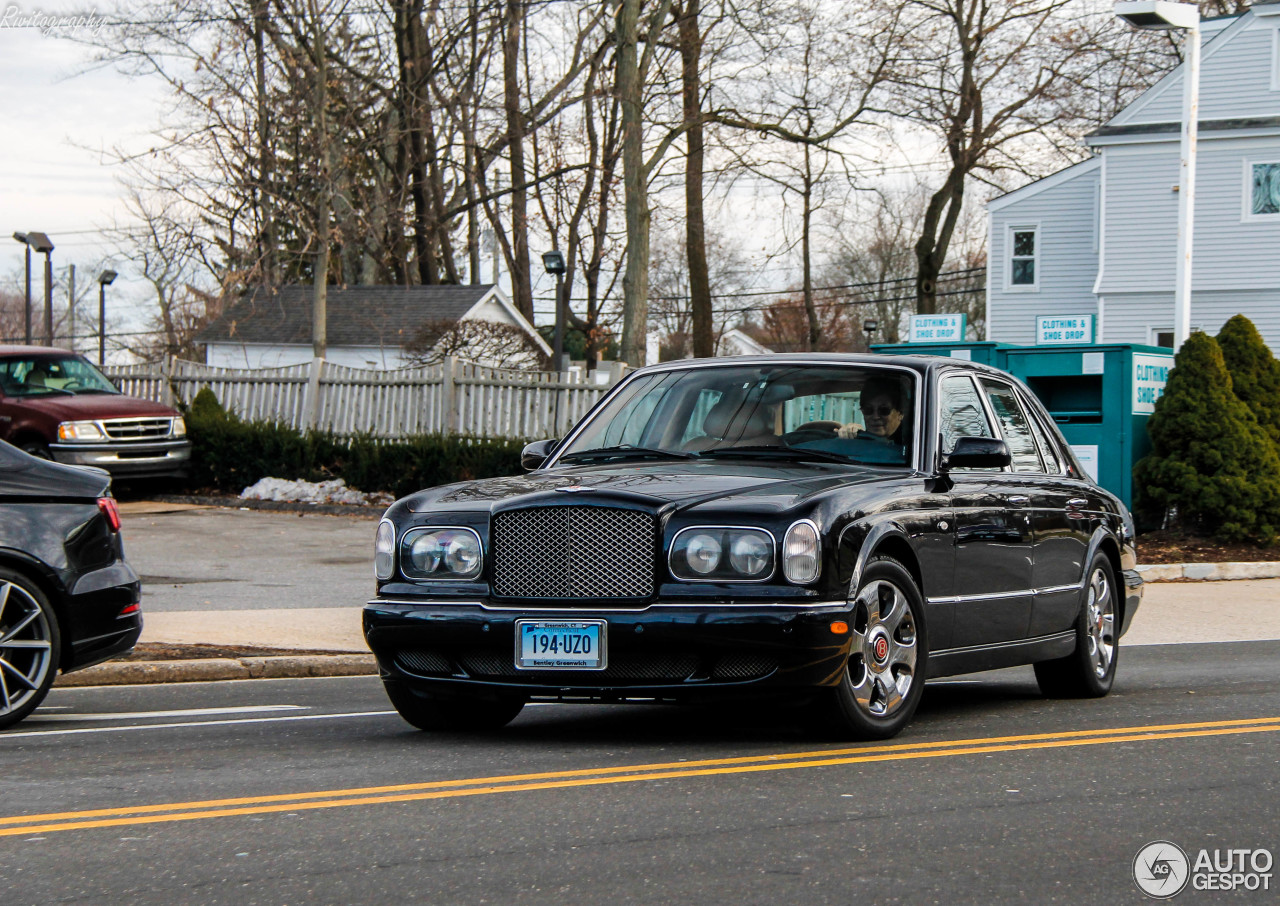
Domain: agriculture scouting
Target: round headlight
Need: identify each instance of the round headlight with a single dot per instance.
(384, 548)
(703, 553)
(426, 552)
(461, 553)
(801, 553)
(749, 554)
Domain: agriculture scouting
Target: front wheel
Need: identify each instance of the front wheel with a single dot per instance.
(427, 712)
(29, 647)
(883, 680)
(1090, 670)
(37, 449)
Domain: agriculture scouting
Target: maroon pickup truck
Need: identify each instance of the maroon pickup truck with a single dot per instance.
(56, 405)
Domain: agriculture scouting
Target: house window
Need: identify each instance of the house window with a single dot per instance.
(1263, 189)
(1161, 337)
(1024, 258)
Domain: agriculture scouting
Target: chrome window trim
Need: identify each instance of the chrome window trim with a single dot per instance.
(773, 563)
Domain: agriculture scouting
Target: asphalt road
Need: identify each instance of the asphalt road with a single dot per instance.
(312, 791)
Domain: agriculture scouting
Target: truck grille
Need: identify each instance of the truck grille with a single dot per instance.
(137, 428)
(568, 552)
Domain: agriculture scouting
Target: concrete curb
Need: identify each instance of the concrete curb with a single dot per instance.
(1210, 572)
(132, 673)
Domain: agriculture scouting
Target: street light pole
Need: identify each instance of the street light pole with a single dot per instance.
(554, 263)
(42, 243)
(26, 241)
(105, 279)
(1163, 15)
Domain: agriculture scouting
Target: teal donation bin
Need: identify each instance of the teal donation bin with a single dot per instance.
(1101, 396)
(982, 351)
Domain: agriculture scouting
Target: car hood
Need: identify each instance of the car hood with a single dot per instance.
(95, 405)
(760, 484)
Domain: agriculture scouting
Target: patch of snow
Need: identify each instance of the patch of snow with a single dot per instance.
(334, 491)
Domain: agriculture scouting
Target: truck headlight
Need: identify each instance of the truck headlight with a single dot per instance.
(179, 428)
(80, 432)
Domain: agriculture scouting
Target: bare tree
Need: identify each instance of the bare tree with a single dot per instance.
(484, 342)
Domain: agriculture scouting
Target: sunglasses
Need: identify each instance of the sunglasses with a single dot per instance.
(883, 411)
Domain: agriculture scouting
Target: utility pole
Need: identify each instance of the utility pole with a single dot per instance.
(71, 307)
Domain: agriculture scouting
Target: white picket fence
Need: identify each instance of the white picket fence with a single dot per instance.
(451, 397)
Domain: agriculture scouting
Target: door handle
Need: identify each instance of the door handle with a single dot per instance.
(1018, 499)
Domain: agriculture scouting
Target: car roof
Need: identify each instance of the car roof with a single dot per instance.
(34, 350)
(925, 364)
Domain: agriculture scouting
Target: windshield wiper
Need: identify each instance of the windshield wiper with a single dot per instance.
(625, 450)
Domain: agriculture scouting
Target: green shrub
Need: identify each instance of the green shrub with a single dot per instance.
(1212, 469)
(1255, 373)
(230, 454)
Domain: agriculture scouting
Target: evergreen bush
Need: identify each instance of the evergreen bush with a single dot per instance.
(229, 454)
(1255, 373)
(1212, 469)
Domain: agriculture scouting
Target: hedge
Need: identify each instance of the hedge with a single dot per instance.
(229, 454)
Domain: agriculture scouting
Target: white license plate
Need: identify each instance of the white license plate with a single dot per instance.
(560, 644)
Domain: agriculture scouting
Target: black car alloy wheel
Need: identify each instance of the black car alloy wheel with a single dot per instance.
(28, 647)
(1090, 670)
(879, 690)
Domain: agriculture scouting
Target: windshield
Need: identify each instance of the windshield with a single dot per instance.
(859, 414)
(51, 375)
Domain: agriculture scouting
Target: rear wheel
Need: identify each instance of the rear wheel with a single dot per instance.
(427, 712)
(884, 679)
(1090, 670)
(29, 647)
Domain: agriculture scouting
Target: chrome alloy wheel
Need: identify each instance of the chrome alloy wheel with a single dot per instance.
(1100, 623)
(882, 658)
(26, 648)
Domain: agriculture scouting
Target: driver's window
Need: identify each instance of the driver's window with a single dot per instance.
(960, 411)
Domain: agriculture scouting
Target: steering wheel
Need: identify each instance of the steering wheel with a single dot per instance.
(819, 430)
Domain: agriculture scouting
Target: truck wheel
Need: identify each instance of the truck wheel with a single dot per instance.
(37, 449)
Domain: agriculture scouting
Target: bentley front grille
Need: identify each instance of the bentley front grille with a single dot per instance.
(574, 552)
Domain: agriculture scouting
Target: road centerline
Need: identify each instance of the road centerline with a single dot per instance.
(323, 799)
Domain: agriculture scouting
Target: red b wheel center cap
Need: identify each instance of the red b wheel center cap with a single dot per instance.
(881, 649)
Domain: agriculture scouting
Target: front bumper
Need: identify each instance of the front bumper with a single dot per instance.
(665, 651)
(135, 459)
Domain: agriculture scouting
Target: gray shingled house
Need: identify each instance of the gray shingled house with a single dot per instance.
(368, 326)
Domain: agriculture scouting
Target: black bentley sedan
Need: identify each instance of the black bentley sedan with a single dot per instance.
(68, 599)
(833, 529)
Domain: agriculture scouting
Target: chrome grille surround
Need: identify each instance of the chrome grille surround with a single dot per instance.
(574, 552)
(137, 428)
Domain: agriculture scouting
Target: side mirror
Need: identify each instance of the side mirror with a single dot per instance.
(977, 453)
(536, 453)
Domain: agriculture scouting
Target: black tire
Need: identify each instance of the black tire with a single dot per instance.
(427, 712)
(1090, 670)
(30, 647)
(882, 683)
(37, 449)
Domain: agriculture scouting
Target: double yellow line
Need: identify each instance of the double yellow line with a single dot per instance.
(24, 825)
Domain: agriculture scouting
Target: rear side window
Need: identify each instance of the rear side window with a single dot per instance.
(1014, 427)
(960, 412)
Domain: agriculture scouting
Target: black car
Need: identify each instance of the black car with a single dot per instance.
(834, 529)
(68, 599)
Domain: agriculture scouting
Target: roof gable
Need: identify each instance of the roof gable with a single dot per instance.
(376, 316)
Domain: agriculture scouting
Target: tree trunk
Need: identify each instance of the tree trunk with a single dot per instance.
(267, 240)
(935, 238)
(521, 287)
(635, 280)
(695, 224)
(806, 253)
(409, 47)
(320, 297)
